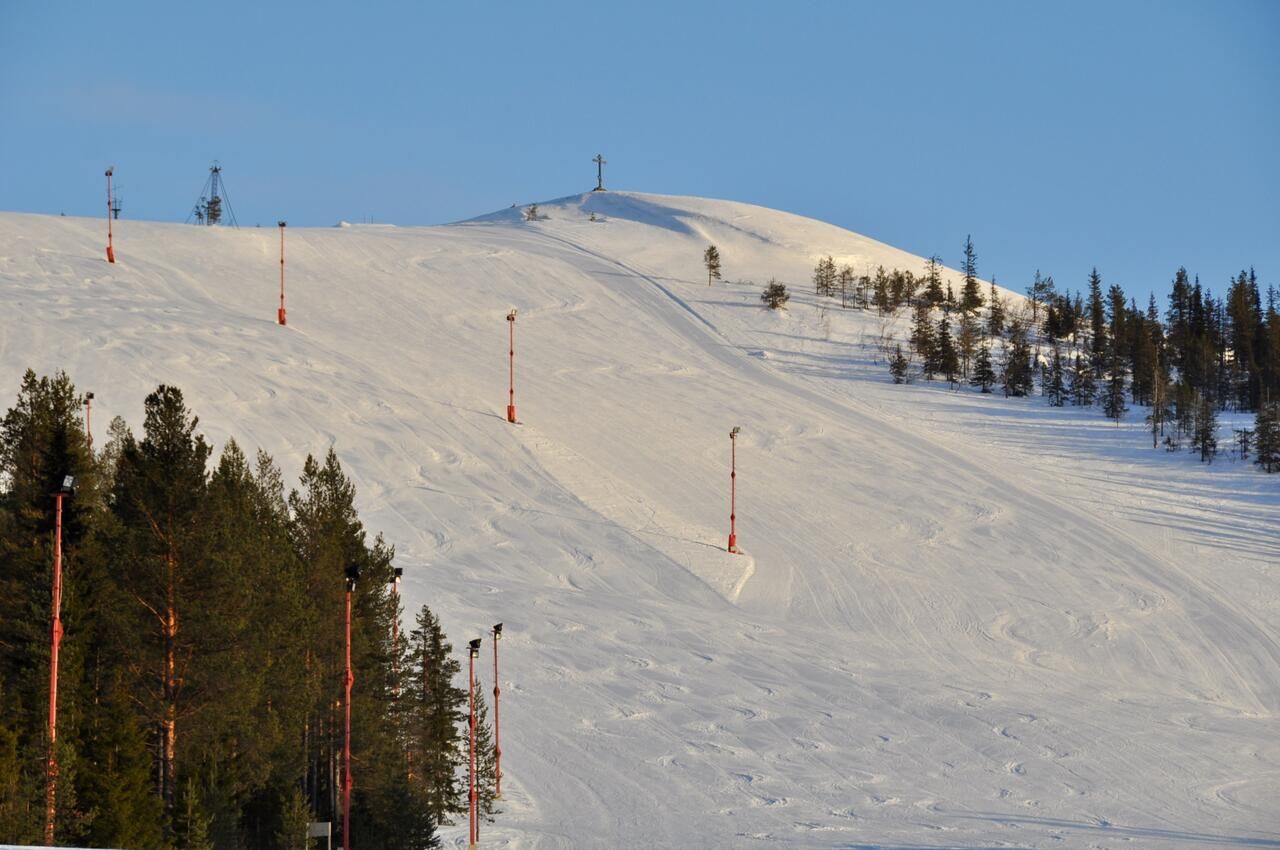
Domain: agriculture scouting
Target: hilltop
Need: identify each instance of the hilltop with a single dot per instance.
(955, 622)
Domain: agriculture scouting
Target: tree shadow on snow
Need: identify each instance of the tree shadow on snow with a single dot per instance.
(1095, 829)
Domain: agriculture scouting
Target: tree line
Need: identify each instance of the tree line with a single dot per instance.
(200, 678)
(1096, 347)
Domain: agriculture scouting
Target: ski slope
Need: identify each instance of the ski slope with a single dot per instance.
(957, 621)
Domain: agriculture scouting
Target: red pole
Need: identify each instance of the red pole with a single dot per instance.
(280, 314)
(497, 728)
(395, 632)
(733, 489)
(51, 779)
(111, 251)
(511, 375)
(474, 835)
(88, 419)
(346, 747)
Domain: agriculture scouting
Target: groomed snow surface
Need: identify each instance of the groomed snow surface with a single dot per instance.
(958, 621)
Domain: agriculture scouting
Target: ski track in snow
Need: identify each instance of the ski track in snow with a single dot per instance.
(958, 622)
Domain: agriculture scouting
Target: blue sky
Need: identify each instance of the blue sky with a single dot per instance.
(1134, 136)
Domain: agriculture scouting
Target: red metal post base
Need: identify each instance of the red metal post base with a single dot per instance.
(111, 254)
(280, 317)
(733, 543)
(511, 413)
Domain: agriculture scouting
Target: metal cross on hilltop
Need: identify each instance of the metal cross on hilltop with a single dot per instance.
(600, 163)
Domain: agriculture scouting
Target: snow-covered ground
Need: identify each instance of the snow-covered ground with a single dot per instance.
(958, 621)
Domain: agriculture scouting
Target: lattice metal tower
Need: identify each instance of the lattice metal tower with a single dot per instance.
(214, 206)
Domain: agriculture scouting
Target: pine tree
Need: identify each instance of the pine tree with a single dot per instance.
(984, 374)
(775, 295)
(970, 294)
(1161, 405)
(1039, 292)
(159, 501)
(898, 365)
(711, 259)
(845, 282)
(824, 276)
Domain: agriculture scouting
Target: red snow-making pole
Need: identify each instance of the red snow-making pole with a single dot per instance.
(88, 420)
(353, 574)
(111, 251)
(497, 728)
(473, 836)
(511, 366)
(733, 489)
(280, 315)
(55, 642)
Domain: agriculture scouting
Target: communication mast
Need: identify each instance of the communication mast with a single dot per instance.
(214, 205)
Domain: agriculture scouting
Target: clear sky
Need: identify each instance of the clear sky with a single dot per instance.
(1134, 136)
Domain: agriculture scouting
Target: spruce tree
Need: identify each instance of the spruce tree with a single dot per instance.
(1204, 437)
(967, 343)
(711, 259)
(486, 759)
(947, 360)
(923, 341)
(970, 294)
(995, 314)
(1266, 432)
(898, 365)
(984, 374)
(1055, 387)
(434, 707)
(1097, 325)
(1113, 398)
(1017, 374)
(933, 282)
(1084, 389)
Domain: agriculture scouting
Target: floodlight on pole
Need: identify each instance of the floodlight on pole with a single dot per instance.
(353, 574)
(497, 729)
(511, 367)
(280, 314)
(66, 488)
(111, 251)
(88, 419)
(472, 808)
(733, 489)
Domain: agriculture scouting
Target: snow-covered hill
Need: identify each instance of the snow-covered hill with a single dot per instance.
(957, 621)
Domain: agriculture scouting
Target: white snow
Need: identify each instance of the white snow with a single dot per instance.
(959, 621)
